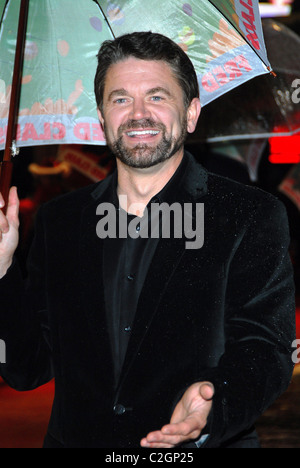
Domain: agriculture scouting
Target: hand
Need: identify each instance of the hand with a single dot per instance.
(188, 419)
(9, 230)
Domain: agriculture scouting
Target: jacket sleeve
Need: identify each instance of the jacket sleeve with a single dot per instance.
(256, 367)
(24, 321)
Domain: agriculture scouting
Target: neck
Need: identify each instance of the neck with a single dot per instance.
(140, 185)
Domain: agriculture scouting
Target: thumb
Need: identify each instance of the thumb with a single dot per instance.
(207, 390)
(12, 212)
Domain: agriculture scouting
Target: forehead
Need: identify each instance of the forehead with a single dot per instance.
(140, 74)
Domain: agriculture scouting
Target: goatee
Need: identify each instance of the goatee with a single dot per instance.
(143, 156)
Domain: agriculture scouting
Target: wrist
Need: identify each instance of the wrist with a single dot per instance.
(4, 266)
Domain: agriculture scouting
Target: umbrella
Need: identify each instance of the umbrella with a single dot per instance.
(223, 39)
(265, 107)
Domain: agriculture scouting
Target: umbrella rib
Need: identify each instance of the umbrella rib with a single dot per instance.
(251, 136)
(3, 15)
(105, 17)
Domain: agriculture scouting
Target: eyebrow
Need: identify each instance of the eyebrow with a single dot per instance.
(159, 89)
(124, 92)
(117, 92)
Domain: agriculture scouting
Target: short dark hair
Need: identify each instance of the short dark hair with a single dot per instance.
(147, 46)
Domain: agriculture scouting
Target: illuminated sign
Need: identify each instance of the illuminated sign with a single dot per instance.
(275, 8)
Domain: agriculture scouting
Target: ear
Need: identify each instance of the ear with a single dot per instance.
(193, 114)
(100, 115)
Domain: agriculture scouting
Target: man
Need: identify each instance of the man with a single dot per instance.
(153, 341)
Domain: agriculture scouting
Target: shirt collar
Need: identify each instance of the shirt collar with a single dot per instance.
(168, 192)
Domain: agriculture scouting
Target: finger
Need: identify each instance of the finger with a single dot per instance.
(155, 436)
(146, 444)
(170, 438)
(4, 225)
(188, 429)
(159, 440)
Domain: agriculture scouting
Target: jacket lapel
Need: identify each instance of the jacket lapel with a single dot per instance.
(92, 285)
(168, 254)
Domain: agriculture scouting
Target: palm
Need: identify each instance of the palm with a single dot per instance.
(192, 410)
(9, 229)
(9, 241)
(188, 419)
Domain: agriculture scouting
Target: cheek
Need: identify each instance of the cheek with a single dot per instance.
(171, 118)
(178, 123)
(112, 122)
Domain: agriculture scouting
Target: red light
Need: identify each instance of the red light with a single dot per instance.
(285, 150)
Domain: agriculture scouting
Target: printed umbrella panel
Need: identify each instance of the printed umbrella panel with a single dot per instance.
(223, 39)
(264, 107)
(57, 98)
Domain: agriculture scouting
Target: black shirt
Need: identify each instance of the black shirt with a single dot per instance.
(125, 265)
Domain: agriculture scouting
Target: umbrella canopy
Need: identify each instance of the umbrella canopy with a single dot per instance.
(223, 39)
(264, 107)
(57, 103)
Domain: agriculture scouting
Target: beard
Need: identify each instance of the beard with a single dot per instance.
(144, 156)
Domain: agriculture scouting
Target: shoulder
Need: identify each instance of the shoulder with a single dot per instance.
(77, 200)
(241, 207)
(227, 192)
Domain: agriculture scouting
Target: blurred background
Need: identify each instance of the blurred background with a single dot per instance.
(272, 164)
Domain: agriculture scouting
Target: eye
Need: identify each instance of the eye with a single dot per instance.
(156, 98)
(120, 101)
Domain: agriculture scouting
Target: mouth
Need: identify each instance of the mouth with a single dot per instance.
(142, 134)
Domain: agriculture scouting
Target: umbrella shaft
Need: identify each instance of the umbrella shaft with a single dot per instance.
(6, 168)
(7, 165)
(17, 77)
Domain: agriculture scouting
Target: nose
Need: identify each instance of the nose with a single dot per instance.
(139, 109)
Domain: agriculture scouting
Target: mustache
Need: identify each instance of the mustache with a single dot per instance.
(143, 123)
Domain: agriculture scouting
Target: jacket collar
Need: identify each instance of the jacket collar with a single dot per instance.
(196, 177)
(193, 185)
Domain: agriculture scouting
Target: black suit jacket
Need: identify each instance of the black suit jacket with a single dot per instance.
(223, 313)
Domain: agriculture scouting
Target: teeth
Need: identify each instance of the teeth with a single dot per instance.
(144, 132)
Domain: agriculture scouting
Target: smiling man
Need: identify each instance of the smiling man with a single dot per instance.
(151, 344)
(146, 123)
